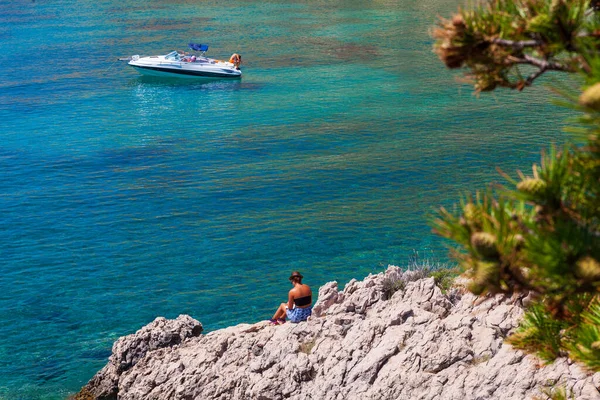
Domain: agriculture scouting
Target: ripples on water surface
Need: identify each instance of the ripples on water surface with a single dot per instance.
(125, 198)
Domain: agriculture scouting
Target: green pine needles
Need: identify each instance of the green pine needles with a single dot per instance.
(539, 233)
(539, 333)
(584, 345)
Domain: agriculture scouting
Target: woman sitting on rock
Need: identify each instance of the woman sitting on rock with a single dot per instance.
(298, 307)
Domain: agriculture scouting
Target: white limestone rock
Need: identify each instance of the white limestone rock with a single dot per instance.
(361, 343)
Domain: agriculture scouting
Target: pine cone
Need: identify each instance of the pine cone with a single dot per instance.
(476, 288)
(540, 23)
(591, 97)
(452, 56)
(485, 82)
(459, 23)
(472, 214)
(486, 274)
(484, 243)
(517, 241)
(532, 186)
(588, 268)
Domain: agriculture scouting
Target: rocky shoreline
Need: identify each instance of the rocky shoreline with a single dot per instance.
(393, 335)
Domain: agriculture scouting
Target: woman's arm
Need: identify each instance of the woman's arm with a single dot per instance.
(290, 303)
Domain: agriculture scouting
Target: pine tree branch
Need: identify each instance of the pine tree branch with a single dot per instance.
(517, 44)
(533, 76)
(542, 64)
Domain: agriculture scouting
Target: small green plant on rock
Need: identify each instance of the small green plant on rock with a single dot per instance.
(306, 347)
(391, 286)
(481, 359)
(444, 277)
(84, 394)
(556, 393)
(442, 272)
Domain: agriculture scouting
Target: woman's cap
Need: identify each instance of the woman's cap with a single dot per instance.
(295, 274)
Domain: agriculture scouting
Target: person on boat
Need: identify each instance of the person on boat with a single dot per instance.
(236, 60)
(299, 305)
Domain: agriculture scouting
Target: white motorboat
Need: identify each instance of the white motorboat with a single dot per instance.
(195, 65)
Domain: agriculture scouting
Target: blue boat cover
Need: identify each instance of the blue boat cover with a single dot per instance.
(198, 47)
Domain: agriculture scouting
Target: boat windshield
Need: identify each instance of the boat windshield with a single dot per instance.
(173, 56)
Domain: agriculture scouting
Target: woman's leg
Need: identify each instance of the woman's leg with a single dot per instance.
(280, 313)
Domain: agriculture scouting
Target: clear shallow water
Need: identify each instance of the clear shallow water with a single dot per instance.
(125, 198)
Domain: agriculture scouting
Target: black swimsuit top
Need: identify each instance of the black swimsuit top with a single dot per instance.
(303, 301)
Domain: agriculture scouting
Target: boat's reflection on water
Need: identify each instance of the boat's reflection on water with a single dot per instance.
(189, 83)
(154, 97)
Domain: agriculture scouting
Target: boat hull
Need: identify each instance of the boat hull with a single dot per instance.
(186, 70)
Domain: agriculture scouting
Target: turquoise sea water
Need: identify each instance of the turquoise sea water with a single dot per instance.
(124, 198)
